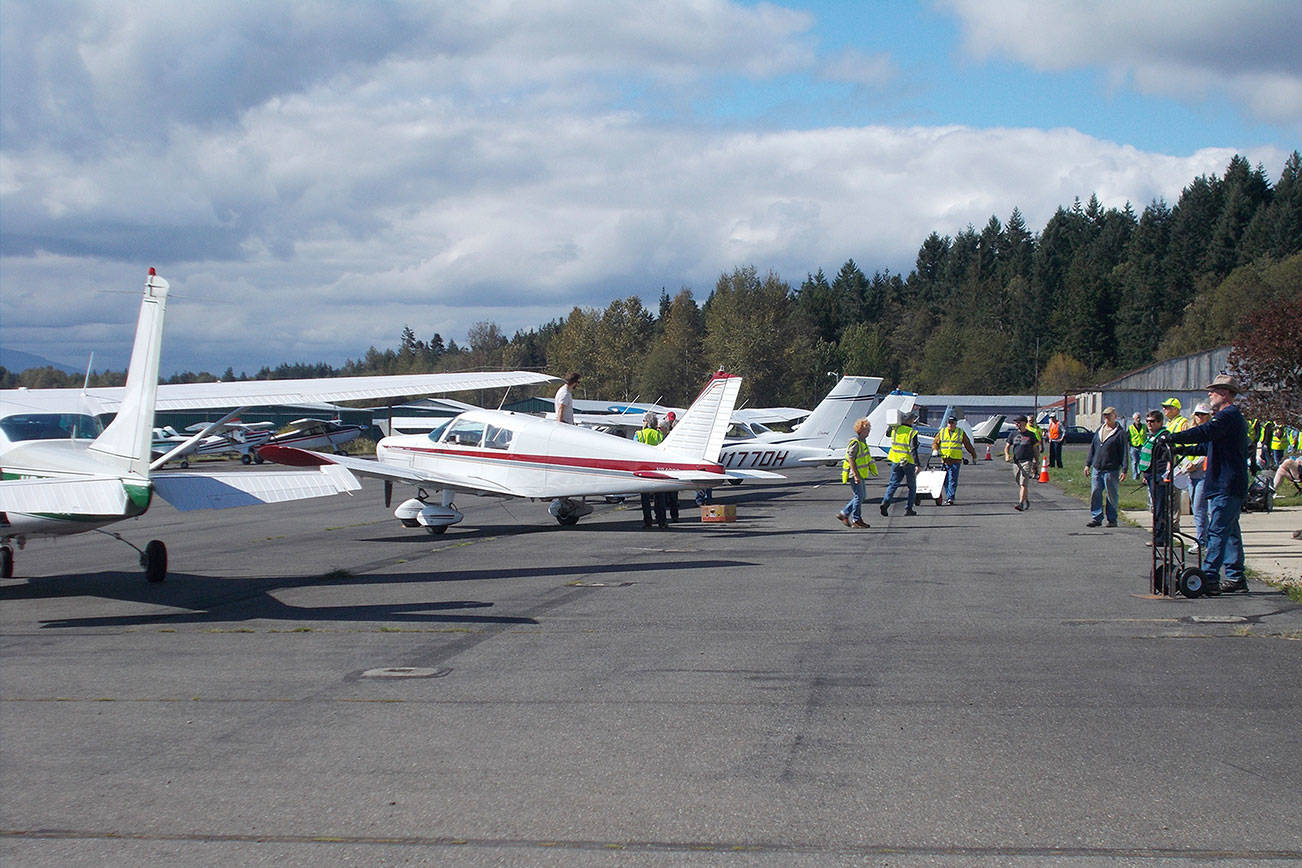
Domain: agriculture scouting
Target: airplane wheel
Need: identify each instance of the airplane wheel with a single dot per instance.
(185, 463)
(340, 452)
(937, 499)
(154, 560)
(6, 562)
(245, 459)
(436, 529)
(567, 520)
(258, 459)
(1191, 582)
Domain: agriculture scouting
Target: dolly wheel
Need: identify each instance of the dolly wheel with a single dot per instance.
(1191, 582)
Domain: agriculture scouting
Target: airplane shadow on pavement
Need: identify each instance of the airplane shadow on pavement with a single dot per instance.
(211, 599)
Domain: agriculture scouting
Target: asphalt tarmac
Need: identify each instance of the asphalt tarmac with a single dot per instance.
(316, 684)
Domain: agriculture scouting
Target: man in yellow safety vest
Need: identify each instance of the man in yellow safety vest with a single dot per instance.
(903, 458)
(950, 442)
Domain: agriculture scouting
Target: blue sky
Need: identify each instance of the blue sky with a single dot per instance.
(311, 177)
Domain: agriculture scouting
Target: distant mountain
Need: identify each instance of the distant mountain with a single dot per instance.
(18, 361)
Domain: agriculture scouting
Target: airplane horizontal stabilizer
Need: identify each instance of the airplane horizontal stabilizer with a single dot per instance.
(86, 496)
(753, 474)
(823, 460)
(189, 491)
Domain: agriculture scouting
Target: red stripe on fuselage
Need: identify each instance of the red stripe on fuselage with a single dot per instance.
(619, 464)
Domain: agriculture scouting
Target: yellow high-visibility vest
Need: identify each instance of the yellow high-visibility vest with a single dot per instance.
(902, 445)
(863, 460)
(951, 442)
(649, 436)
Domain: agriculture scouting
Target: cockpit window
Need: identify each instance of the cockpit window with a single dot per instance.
(465, 433)
(738, 431)
(437, 430)
(50, 426)
(497, 438)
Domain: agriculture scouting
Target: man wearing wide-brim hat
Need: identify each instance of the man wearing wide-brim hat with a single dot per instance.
(1224, 440)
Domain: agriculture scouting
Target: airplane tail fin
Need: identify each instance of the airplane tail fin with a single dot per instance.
(831, 425)
(699, 434)
(126, 441)
(886, 414)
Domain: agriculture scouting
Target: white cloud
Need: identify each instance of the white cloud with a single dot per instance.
(309, 181)
(1245, 50)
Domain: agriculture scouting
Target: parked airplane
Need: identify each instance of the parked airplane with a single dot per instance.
(821, 438)
(237, 438)
(330, 434)
(62, 476)
(493, 452)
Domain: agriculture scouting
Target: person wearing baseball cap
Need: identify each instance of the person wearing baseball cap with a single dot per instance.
(1174, 421)
(1224, 440)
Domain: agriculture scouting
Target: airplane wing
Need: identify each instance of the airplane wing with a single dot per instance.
(769, 415)
(705, 478)
(189, 491)
(83, 496)
(294, 457)
(261, 393)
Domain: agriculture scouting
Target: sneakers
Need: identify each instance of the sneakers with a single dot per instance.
(884, 510)
(1094, 522)
(949, 502)
(1018, 507)
(910, 512)
(1112, 524)
(858, 522)
(1231, 587)
(841, 516)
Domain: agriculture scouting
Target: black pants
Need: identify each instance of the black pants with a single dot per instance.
(1055, 453)
(658, 500)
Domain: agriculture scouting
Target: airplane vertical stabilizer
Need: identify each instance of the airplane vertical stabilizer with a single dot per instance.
(699, 434)
(831, 425)
(126, 441)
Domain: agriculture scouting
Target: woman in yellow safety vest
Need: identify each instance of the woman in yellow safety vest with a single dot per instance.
(854, 467)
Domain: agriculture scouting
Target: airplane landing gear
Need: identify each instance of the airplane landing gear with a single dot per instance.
(153, 557)
(568, 511)
(6, 562)
(154, 560)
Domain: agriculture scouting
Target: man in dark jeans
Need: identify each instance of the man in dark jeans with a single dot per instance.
(1224, 439)
(1155, 470)
(1106, 468)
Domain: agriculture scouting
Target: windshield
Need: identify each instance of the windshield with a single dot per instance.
(50, 426)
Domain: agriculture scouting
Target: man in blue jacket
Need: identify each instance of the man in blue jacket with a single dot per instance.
(1224, 440)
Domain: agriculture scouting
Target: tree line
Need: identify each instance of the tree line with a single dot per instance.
(1094, 293)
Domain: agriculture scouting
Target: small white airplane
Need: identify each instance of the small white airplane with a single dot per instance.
(60, 476)
(329, 434)
(502, 453)
(820, 439)
(237, 438)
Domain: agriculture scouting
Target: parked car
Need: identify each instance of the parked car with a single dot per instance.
(1077, 434)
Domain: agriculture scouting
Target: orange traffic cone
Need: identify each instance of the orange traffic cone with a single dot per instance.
(988, 458)
(1044, 469)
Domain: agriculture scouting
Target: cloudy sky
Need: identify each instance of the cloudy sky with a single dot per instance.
(311, 176)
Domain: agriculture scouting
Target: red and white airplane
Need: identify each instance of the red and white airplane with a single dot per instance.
(330, 434)
(501, 453)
